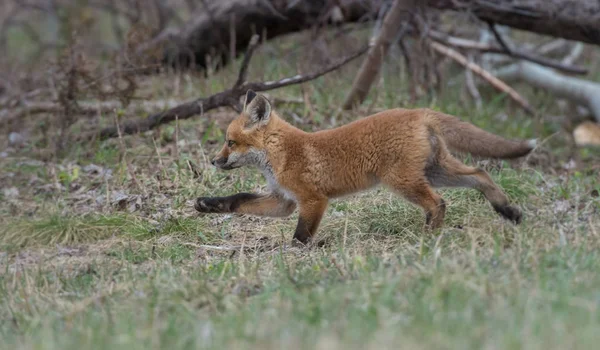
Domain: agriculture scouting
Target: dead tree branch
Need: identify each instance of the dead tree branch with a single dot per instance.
(576, 51)
(578, 90)
(500, 39)
(211, 34)
(397, 16)
(573, 20)
(492, 80)
(471, 86)
(512, 52)
(246, 62)
(227, 98)
(84, 108)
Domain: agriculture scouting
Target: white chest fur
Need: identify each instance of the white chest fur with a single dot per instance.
(274, 184)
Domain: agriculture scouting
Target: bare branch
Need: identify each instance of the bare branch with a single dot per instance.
(573, 20)
(227, 98)
(298, 79)
(400, 12)
(471, 86)
(515, 53)
(244, 68)
(576, 51)
(500, 39)
(578, 90)
(492, 80)
(84, 108)
(552, 46)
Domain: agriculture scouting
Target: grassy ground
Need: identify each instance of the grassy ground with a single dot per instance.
(101, 248)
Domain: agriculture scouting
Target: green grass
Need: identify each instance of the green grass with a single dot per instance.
(522, 297)
(379, 282)
(57, 229)
(148, 272)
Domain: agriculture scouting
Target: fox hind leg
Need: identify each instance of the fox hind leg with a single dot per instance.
(420, 193)
(448, 171)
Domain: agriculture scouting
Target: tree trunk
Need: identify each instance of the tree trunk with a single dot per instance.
(577, 20)
(398, 15)
(222, 25)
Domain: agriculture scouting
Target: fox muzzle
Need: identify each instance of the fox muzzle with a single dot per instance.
(222, 163)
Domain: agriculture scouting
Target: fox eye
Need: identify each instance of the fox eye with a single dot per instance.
(230, 143)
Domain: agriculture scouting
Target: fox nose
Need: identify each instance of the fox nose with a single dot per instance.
(218, 161)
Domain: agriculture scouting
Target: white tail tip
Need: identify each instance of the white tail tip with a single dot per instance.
(532, 143)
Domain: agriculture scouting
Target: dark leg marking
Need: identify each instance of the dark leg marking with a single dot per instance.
(303, 231)
(223, 204)
(429, 215)
(509, 212)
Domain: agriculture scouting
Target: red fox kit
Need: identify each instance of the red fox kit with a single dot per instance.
(405, 150)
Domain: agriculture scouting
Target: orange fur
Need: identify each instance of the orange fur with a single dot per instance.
(405, 150)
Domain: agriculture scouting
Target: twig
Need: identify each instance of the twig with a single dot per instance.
(401, 11)
(515, 53)
(160, 162)
(194, 169)
(213, 247)
(298, 79)
(500, 39)
(124, 154)
(471, 86)
(85, 108)
(576, 51)
(246, 62)
(492, 80)
(273, 10)
(232, 37)
(227, 98)
(89, 108)
(551, 46)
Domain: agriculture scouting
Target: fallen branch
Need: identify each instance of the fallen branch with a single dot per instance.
(397, 17)
(234, 248)
(227, 98)
(576, 51)
(472, 87)
(213, 247)
(492, 80)
(512, 52)
(573, 20)
(578, 90)
(93, 108)
(499, 38)
(84, 108)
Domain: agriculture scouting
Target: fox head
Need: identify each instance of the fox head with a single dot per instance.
(244, 140)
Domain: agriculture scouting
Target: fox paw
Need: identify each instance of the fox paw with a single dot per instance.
(209, 205)
(511, 213)
(297, 244)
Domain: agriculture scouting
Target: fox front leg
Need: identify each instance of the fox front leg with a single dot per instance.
(311, 213)
(271, 204)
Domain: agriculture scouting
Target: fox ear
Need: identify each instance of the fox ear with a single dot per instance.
(258, 109)
(250, 95)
